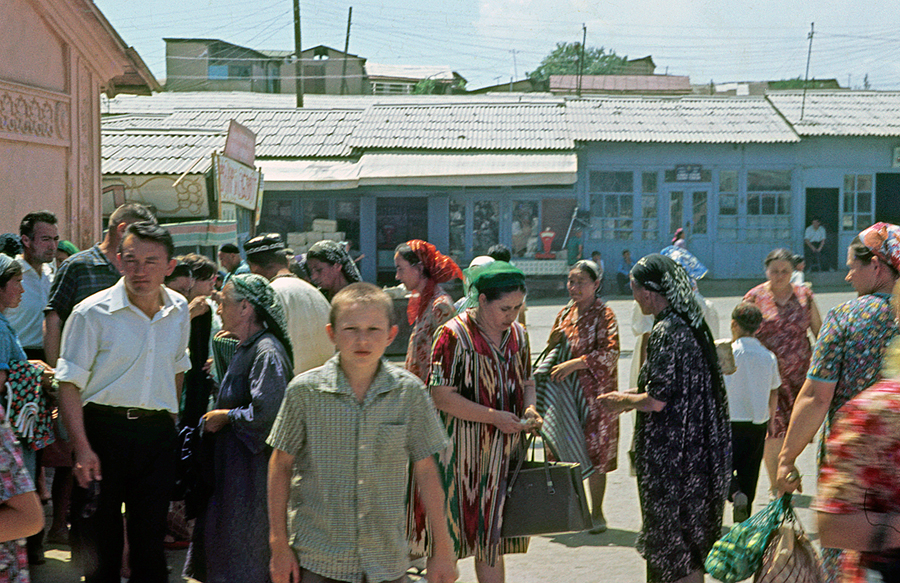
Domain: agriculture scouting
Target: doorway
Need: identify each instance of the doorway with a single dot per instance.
(397, 220)
(822, 203)
(689, 210)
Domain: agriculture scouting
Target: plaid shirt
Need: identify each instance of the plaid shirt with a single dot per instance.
(348, 494)
(80, 276)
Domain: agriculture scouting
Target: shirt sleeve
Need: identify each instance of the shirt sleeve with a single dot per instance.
(268, 379)
(425, 435)
(445, 368)
(183, 355)
(826, 358)
(77, 351)
(7, 348)
(289, 431)
(62, 292)
(662, 384)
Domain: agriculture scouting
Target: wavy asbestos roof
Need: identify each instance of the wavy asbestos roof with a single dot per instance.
(845, 113)
(141, 152)
(677, 120)
(464, 127)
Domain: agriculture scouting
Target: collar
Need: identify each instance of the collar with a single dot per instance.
(46, 270)
(118, 299)
(336, 381)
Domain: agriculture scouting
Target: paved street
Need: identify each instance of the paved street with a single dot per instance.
(573, 558)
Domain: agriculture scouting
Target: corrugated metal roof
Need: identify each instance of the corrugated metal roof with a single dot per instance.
(464, 127)
(442, 73)
(633, 83)
(677, 120)
(844, 113)
(135, 152)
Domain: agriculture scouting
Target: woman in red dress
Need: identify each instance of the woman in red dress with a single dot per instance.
(788, 313)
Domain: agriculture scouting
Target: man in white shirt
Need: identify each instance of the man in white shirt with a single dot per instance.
(306, 308)
(121, 366)
(814, 239)
(752, 393)
(40, 237)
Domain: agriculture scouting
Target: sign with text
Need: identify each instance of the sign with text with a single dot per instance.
(236, 183)
(688, 173)
(240, 144)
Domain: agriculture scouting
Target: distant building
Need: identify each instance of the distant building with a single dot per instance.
(621, 84)
(642, 66)
(402, 79)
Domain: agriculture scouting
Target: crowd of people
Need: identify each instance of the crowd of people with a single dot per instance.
(306, 456)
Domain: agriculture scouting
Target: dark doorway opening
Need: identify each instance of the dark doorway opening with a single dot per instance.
(823, 204)
(887, 198)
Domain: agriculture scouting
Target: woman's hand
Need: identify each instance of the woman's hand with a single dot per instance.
(225, 334)
(46, 373)
(215, 420)
(198, 306)
(533, 421)
(564, 369)
(616, 402)
(506, 422)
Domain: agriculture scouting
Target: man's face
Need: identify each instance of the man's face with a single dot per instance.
(229, 261)
(41, 246)
(816, 223)
(145, 265)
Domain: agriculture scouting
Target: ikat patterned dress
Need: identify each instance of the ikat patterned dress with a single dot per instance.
(682, 454)
(594, 335)
(421, 339)
(783, 331)
(474, 469)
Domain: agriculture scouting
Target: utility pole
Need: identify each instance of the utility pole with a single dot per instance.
(812, 27)
(581, 58)
(515, 70)
(346, 48)
(298, 79)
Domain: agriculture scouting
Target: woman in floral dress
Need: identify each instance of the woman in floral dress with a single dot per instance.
(592, 334)
(789, 312)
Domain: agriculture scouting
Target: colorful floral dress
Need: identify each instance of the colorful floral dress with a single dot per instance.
(849, 353)
(421, 339)
(14, 480)
(474, 469)
(861, 469)
(682, 454)
(593, 336)
(783, 331)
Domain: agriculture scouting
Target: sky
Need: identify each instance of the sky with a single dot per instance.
(491, 41)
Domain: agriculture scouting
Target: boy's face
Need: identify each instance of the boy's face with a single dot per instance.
(361, 334)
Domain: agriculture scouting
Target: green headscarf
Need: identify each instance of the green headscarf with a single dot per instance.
(493, 275)
(256, 290)
(67, 246)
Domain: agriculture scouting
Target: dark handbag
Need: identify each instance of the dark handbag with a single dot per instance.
(544, 498)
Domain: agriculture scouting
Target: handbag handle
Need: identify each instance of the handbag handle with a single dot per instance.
(523, 447)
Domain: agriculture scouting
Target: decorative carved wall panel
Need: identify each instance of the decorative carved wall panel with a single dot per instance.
(34, 115)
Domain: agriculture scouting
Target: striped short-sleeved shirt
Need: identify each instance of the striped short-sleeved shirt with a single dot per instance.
(347, 514)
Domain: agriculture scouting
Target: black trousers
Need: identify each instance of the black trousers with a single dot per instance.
(747, 442)
(137, 463)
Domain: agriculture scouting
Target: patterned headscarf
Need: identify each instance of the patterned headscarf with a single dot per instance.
(663, 275)
(686, 259)
(5, 262)
(335, 253)
(10, 244)
(440, 269)
(256, 289)
(883, 240)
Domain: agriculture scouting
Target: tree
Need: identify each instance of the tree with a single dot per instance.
(566, 57)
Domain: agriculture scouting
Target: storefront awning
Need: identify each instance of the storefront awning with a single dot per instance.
(308, 174)
(467, 169)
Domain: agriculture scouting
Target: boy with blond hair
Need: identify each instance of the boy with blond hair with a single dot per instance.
(343, 442)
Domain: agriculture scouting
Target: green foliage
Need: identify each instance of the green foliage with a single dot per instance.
(797, 83)
(565, 59)
(425, 87)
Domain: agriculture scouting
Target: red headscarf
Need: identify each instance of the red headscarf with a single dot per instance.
(440, 269)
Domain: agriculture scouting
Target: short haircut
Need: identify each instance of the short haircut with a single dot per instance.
(229, 248)
(150, 231)
(624, 251)
(14, 269)
(26, 227)
(796, 260)
(780, 254)
(182, 269)
(747, 316)
(201, 267)
(267, 259)
(131, 212)
(363, 294)
(499, 252)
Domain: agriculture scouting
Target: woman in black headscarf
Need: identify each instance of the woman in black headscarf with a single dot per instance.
(682, 439)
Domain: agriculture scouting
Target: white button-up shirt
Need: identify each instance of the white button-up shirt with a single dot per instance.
(118, 356)
(28, 318)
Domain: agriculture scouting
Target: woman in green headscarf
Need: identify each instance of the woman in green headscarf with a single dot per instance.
(231, 535)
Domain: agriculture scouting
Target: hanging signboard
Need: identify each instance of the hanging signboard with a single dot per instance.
(240, 144)
(236, 183)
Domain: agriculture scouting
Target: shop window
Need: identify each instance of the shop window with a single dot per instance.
(768, 204)
(649, 200)
(612, 204)
(485, 226)
(457, 228)
(728, 205)
(526, 226)
(347, 216)
(698, 206)
(856, 206)
(676, 209)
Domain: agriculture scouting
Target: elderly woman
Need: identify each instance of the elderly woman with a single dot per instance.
(481, 381)
(682, 440)
(230, 541)
(330, 267)
(789, 312)
(590, 330)
(421, 268)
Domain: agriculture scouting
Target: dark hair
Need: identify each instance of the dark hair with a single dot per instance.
(495, 293)
(406, 252)
(10, 244)
(796, 260)
(14, 269)
(26, 227)
(130, 213)
(266, 259)
(229, 248)
(865, 255)
(499, 252)
(588, 267)
(182, 269)
(201, 267)
(365, 294)
(747, 316)
(150, 231)
(624, 251)
(780, 254)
